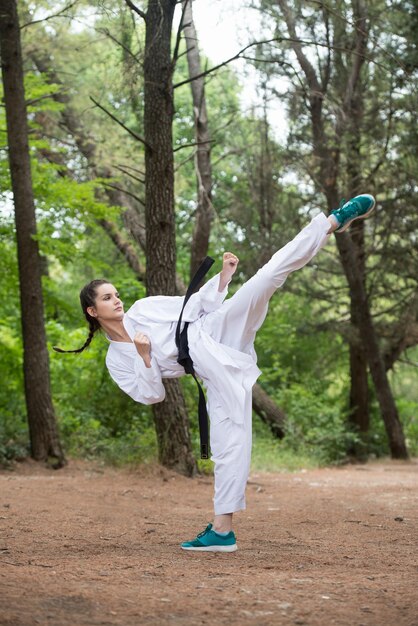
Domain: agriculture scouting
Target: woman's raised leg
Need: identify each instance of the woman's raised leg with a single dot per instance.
(237, 321)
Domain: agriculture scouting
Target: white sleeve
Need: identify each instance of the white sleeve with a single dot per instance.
(208, 298)
(143, 384)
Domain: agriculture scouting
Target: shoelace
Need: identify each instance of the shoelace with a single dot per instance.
(207, 529)
(352, 205)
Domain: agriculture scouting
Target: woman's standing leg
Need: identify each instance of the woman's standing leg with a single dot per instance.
(235, 325)
(230, 444)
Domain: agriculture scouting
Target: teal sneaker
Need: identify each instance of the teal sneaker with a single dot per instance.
(359, 207)
(210, 541)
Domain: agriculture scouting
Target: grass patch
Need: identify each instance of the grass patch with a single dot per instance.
(272, 456)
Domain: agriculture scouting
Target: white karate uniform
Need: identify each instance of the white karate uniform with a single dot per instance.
(221, 344)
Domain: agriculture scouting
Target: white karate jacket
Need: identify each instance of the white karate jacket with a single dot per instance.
(227, 374)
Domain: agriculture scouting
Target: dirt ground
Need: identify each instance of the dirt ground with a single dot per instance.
(87, 545)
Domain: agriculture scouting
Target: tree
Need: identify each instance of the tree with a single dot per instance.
(254, 201)
(45, 443)
(331, 91)
(171, 419)
(157, 238)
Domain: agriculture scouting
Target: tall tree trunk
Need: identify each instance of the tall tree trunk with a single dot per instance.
(370, 342)
(359, 387)
(352, 254)
(359, 396)
(45, 443)
(204, 213)
(384, 394)
(170, 417)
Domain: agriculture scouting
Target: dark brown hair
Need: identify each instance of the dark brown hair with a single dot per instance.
(88, 297)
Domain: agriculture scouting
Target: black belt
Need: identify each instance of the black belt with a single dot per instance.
(185, 360)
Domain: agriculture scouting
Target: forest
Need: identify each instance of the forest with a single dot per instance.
(127, 154)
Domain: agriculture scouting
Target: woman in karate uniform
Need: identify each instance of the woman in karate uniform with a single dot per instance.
(221, 335)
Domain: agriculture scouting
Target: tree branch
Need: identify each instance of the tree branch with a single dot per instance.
(44, 97)
(107, 33)
(178, 36)
(50, 17)
(128, 193)
(374, 40)
(304, 62)
(115, 119)
(294, 40)
(125, 171)
(134, 169)
(134, 8)
(125, 248)
(217, 67)
(190, 145)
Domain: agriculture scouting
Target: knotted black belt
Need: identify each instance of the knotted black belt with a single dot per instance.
(185, 360)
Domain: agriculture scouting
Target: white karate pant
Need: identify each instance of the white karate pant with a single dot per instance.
(237, 322)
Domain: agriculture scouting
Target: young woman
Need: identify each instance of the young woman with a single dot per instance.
(221, 335)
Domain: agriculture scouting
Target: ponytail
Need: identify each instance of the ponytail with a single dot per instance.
(93, 327)
(87, 298)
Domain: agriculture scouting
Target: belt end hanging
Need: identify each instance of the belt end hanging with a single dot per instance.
(204, 451)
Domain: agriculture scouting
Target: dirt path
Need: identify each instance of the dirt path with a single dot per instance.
(86, 546)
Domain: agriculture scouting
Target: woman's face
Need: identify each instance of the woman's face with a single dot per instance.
(108, 306)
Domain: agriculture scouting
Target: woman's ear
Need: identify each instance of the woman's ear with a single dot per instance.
(91, 311)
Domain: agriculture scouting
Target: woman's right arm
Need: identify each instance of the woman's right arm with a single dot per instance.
(143, 347)
(128, 370)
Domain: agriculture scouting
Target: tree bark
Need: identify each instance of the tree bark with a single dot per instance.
(204, 212)
(171, 420)
(44, 438)
(359, 398)
(173, 433)
(375, 360)
(158, 119)
(269, 412)
(359, 389)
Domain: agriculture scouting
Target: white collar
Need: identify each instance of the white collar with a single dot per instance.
(129, 327)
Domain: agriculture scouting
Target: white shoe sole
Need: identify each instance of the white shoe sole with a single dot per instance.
(360, 217)
(232, 548)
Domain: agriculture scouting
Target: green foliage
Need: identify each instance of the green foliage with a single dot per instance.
(13, 427)
(86, 437)
(314, 425)
(258, 207)
(95, 417)
(272, 455)
(404, 382)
